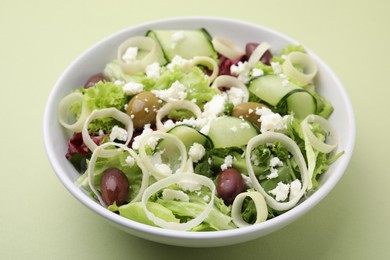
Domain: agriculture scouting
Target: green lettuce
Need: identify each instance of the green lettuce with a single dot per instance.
(133, 173)
(135, 211)
(101, 95)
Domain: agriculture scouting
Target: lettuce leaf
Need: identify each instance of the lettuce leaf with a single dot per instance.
(195, 82)
(133, 173)
(101, 95)
(135, 211)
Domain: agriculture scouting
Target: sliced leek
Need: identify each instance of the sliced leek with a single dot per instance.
(260, 204)
(173, 179)
(305, 62)
(101, 150)
(292, 147)
(227, 48)
(107, 112)
(168, 107)
(139, 43)
(64, 108)
(156, 170)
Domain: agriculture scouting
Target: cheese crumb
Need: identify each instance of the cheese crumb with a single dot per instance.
(276, 67)
(145, 131)
(214, 107)
(270, 121)
(130, 55)
(235, 95)
(133, 88)
(228, 162)
(175, 93)
(295, 188)
(169, 194)
(153, 71)
(196, 152)
(130, 161)
(118, 133)
(281, 191)
(257, 72)
(189, 186)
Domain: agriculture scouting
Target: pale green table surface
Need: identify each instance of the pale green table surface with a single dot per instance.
(39, 219)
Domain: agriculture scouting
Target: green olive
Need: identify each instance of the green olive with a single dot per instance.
(143, 109)
(247, 110)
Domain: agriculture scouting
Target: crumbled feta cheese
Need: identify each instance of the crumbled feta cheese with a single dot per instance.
(206, 198)
(169, 194)
(133, 88)
(228, 162)
(175, 93)
(281, 191)
(295, 188)
(177, 37)
(169, 124)
(101, 133)
(275, 161)
(118, 133)
(152, 142)
(241, 70)
(119, 82)
(196, 152)
(276, 67)
(270, 121)
(255, 160)
(189, 186)
(214, 107)
(130, 54)
(209, 160)
(257, 72)
(179, 62)
(235, 95)
(130, 161)
(233, 129)
(153, 70)
(274, 174)
(163, 168)
(145, 131)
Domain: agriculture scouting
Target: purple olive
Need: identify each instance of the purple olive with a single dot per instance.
(114, 186)
(229, 185)
(250, 47)
(94, 79)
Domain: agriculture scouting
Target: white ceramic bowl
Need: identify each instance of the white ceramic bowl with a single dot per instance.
(94, 59)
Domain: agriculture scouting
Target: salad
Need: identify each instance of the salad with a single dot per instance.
(188, 131)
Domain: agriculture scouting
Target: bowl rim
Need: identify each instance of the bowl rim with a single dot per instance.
(226, 236)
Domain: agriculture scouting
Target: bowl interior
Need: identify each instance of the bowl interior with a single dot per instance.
(93, 61)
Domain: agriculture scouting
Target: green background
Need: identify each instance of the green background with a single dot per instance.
(39, 219)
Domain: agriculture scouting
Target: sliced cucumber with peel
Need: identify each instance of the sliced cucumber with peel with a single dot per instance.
(193, 43)
(272, 90)
(189, 135)
(231, 131)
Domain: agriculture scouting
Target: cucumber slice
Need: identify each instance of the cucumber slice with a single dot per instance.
(271, 90)
(301, 103)
(192, 43)
(231, 131)
(239, 164)
(189, 135)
